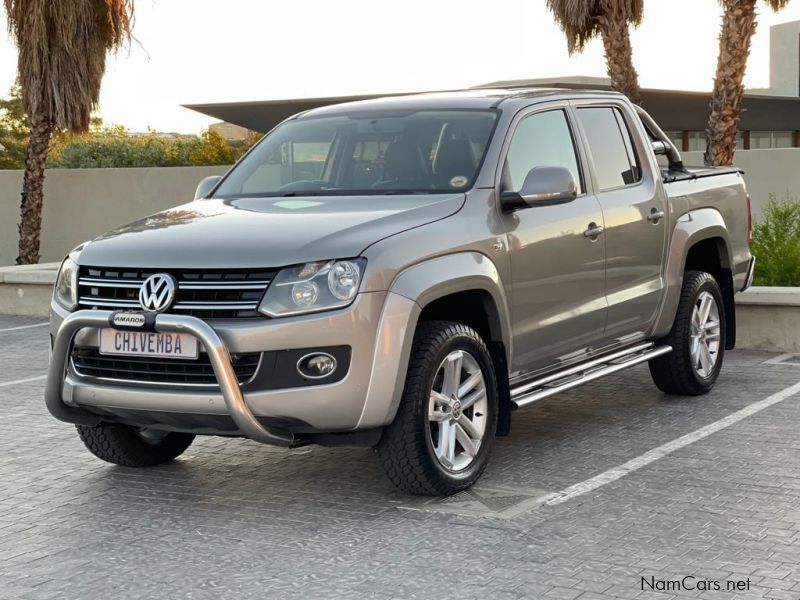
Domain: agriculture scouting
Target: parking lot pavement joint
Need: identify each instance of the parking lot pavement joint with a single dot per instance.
(482, 501)
(21, 327)
(792, 360)
(21, 381)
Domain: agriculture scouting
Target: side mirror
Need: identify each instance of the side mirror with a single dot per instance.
(205, 186)
(543, 186)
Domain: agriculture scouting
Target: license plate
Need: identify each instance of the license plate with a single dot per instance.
(145, 343)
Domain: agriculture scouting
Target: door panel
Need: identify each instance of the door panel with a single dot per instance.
(558, 274)
(635, 238)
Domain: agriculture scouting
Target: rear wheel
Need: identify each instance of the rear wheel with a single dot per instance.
(132, 446)
(442, 436)
(697, 339)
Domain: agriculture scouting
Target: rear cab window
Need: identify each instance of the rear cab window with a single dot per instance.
(610, 146)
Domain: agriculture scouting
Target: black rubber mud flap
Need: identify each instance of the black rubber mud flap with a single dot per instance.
(501, 368)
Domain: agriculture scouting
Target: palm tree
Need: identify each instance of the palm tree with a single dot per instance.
(62, 55)
(583, 20)
(738, 26)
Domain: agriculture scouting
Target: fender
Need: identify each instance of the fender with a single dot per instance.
(690, 228)
(412, 290)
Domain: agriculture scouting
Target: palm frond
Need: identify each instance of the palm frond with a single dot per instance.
(62, 54)
(777, 5)
(578, 19)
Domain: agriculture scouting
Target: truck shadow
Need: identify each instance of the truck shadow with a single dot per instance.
(553, 444)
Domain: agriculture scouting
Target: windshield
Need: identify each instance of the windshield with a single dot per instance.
(366, 153)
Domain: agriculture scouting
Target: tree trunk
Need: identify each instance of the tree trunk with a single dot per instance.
(30, 225)
(738, 26)
(619, 56)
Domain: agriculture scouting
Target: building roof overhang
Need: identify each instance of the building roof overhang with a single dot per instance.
(672, 109)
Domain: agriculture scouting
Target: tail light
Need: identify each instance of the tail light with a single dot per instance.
(749, 220)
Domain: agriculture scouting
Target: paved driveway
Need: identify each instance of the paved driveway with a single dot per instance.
(609, 491)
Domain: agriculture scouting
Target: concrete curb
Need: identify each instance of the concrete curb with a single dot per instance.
(42, 274)
(770, 296)
(26, 289)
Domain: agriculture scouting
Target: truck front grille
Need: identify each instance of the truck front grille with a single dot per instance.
(207, 294)
(144, 369)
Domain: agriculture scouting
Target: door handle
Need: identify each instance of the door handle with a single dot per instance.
(655, 216)
(593, 231)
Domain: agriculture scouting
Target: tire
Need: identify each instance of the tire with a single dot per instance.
(129, 447)
(682, 372)
(414, 450)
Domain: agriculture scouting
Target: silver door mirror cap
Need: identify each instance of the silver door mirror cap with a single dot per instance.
(206, 185)
(543, 186)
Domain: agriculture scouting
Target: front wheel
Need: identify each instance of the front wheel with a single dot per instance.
(697, 339)
(442, 436)
(133, 447)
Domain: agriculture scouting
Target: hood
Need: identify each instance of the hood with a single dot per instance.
(264, 232)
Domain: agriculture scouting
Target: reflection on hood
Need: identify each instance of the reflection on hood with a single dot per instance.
(265, 232)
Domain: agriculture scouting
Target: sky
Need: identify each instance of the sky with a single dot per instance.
(196, 51)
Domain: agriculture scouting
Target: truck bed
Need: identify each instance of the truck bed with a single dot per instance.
(687, 173)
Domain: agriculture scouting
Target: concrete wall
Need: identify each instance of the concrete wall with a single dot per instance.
(83, 203)
(765, 171)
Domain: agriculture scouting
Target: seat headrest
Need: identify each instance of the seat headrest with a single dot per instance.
(402, 160)
(454, 158)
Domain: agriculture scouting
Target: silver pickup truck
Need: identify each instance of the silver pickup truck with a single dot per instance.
(403, 274)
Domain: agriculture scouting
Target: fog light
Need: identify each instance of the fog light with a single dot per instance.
(316, 365)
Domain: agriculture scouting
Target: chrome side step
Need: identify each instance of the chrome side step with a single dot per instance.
(589, 371)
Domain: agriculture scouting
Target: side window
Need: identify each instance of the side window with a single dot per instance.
(541, 140)
(611, 147)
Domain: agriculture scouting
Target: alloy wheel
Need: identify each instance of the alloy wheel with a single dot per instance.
(705, 335)
(457, 411)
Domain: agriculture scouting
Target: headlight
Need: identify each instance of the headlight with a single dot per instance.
(66, 291)
(313, 287)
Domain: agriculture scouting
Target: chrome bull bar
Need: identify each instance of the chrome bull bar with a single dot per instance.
(217, 353)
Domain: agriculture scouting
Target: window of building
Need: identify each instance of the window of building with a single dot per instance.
(611, 147)
(541, 140)
(760, 140)
(697, 141)
(782, 139)
(676, 137)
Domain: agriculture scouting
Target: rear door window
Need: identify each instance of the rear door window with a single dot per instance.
(610, 144)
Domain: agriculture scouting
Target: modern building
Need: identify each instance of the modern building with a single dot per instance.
(229, 131)
(770, 117)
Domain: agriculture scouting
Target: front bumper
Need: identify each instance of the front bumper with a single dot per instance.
(217, 352)
(376, 327)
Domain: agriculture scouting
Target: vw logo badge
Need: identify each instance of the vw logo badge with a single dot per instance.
(158, 292)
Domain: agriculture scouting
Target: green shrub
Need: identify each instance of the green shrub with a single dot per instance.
(776, 243)
(115, 147)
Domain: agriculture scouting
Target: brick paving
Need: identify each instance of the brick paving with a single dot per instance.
(234, 519)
